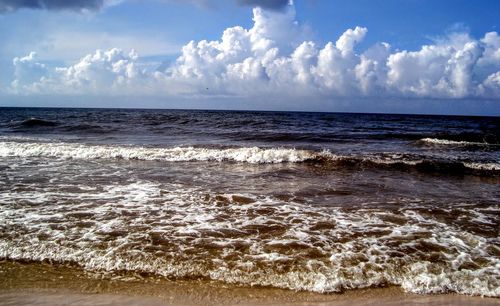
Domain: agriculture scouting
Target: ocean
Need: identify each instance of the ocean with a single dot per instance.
(320, 202)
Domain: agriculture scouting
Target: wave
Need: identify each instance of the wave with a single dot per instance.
(484, 166)
(36, 122)
(252, 155)
(437, 141)
(463, 138)
(87, 128)
(68, 126)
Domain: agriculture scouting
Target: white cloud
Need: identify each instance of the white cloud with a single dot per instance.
(349, 39)
(275, 58)
(27, 71)
(104, 72)
(442, 70)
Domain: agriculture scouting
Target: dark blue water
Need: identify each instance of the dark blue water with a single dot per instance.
(305, 201)
(438, 140)
(235, 127)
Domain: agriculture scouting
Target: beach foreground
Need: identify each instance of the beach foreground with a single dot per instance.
(44, 284)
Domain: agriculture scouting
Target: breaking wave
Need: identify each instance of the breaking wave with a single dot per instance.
(252, 155)
(444, 142)
(484, 166)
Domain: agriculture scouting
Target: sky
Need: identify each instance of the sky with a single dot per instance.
(391, 56)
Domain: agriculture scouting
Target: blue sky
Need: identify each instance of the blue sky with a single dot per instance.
(391, 56)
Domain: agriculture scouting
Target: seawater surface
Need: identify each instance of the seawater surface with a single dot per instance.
(320, 202)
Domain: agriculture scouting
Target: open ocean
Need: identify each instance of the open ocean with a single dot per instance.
(321, 202)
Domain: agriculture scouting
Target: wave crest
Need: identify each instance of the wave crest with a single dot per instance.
(438, 141)
(36, 122)
(252, 155)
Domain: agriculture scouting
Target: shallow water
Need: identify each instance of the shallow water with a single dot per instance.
(302, 201)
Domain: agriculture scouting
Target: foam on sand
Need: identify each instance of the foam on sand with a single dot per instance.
(176, 231)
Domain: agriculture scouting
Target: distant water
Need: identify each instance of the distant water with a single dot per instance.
(306, 201)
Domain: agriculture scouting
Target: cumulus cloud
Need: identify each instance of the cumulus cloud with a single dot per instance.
(77, 5)
(103, 72)
(27, 70)
(275, 58)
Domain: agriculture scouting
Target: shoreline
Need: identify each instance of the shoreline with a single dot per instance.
(45, 284)
(48, 297)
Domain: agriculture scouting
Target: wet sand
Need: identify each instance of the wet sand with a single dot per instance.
(45, 284)
(65, 297)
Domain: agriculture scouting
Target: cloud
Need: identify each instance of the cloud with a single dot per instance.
(98, 73)
(75, 5)
(94, 5)
(268, 4)
(198, 3)
(275, 58)
(56, 45)
(27, 70)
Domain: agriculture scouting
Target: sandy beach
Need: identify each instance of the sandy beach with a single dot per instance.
(368, 297)
(44, 284)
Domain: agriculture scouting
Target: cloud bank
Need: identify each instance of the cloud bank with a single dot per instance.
(274, 58)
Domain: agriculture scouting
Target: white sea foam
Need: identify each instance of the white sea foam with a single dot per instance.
(178, 231)
(25, 139)
(483, 166)
(252, 155)
(445, 142)
(80, 151)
